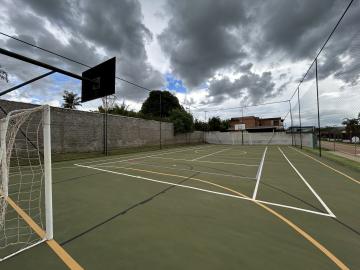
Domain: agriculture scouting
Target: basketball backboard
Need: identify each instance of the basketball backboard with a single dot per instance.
(103, 76)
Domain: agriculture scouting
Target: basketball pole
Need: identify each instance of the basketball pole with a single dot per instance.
(105, 126)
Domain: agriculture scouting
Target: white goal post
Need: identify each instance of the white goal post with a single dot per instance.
(26, 216)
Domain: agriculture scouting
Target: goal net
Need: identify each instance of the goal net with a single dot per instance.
(25, 180)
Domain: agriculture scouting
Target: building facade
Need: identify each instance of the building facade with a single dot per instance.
(252, 123)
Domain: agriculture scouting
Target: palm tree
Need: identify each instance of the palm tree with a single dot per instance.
(71, 100)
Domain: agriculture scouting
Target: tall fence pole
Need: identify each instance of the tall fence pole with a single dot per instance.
(160, 119)
(242, 122)
(298, 95)
(291, 123)
(205, 127)
(318, 108)
(105, 127)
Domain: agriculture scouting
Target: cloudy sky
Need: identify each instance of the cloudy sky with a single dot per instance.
(212, 54)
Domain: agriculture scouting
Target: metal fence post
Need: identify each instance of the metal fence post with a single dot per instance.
(298, 95)
(160, 119)
(291, 129)
(318, 108)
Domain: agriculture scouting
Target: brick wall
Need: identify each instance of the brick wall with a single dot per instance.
(80, 131)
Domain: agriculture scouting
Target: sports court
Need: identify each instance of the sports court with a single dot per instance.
(204, 206)
(179, 135)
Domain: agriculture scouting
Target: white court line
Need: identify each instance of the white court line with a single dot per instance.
(210, 154)
(205, 161)
(201, 189)
(295, 208)
(179, 169)
(162, 152)
(21, 250)
(142, 157)
(308, 185)
(258, 174)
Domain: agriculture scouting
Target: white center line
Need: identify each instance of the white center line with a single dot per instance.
(210, 154)
(205, 161)
(203, 190)
(308, 185)
(258, 174)
(143, 157)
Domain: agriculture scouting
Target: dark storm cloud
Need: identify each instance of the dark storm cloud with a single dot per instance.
(204, 38)
(201, 37)
(296, 27)
(250, 87)
(115, 27)
(299, 28)
(62, 13)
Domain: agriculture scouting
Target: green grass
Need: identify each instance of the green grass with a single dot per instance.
(328, 155)
(113, 220)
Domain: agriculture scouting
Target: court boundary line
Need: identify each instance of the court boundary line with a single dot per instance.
(135, 155)
(214, 162)
(143, 157)
(195, 159)
(308, 185)
(258, 174)
(229, 189)
(22, 250)
(179, 169)
(244, 197)
(295, 227)
(328, 166)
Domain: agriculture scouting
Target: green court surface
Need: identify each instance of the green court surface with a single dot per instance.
(203, 207)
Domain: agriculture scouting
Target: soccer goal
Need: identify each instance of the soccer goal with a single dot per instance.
(25, 184)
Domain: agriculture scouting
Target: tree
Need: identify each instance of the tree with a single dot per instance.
(215, 123)
(200, 125)
(3, 75)
(352, 125)
(225, 125)
(71, 100)
(123, 109)
(182, 120)
(151, 105)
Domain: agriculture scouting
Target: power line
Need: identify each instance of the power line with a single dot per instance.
(147, 89)
(323, 46)
(70, 59)
(242, 107)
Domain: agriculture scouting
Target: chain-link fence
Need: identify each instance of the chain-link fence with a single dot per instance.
(324, 104)
(328, 95)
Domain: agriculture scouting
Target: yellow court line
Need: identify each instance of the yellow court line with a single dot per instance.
(328, 166)
(308, 237)
(64, 256)
(180, 176)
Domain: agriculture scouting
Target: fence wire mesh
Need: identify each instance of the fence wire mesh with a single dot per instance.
(325, 104)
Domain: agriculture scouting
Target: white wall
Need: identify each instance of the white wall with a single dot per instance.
(276, 138)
